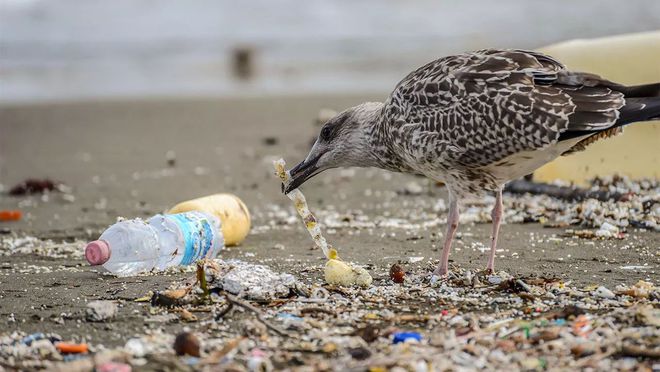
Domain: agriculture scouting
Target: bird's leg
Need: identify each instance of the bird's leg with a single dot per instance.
(497, 219)
(452, 225)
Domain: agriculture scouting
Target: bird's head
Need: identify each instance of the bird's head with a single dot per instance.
(344, 141)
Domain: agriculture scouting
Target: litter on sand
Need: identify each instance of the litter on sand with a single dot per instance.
(539, 323)
(336, 271)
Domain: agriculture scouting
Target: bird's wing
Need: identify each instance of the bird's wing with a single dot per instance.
(490, 104)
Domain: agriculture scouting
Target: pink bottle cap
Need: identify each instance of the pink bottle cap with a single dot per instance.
(97, 252)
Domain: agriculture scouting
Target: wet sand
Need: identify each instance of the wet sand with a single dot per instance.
(112, 155)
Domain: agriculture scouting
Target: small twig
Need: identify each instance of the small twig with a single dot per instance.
(201, 279)
(225, 311)
(310, 300)
(637, 351)
(595, 358)
(314, 309)
(216, 356)
(523, 285)
(256, 311)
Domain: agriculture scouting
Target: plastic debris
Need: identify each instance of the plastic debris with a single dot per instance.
(259, 361)
(28, 340)
(7, 215)
(466, 323)
(113, 367)
(256, 282)
(340, 273)
(607, 230)
(130, 247)
(406, 337)
(136, 347)
(604, 292)
(70, 348)
(336, 271)
(228, 208)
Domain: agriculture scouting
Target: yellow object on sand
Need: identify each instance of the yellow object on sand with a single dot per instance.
(627, 59)
(344, 274)
(228, 208)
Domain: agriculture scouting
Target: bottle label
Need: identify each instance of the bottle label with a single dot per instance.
(198, 235)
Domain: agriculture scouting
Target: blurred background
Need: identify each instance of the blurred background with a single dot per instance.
(56, 50)
(135, 105)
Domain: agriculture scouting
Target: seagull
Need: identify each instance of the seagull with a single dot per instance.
(475, 121)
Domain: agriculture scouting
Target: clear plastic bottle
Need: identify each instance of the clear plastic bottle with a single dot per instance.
(133, 246)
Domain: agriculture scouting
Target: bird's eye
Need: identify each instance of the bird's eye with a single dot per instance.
(325, 133)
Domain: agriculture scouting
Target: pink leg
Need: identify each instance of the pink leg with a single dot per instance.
(452, 225)
(497, 219)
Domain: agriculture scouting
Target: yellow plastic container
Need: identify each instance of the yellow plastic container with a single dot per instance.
(627, 59)
(228, 208)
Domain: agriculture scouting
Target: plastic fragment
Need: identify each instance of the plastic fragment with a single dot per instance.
(341, 273)
(28, 340)
(400, 337)
(113, 367)
(69, 348)
(10, 215)
(604, 292)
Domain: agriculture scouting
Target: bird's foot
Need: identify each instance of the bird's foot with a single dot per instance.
(440, 273)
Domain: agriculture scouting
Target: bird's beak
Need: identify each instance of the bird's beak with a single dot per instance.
(301, 173)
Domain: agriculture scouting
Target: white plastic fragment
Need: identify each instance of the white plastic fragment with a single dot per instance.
(604, 292)
(607, 230)
(256, 282)
(136, 347)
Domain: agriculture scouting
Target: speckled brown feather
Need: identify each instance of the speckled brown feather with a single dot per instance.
(461, 114)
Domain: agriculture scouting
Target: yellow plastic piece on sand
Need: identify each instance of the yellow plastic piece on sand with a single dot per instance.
(228, 208)
(627, 59)
(344, 274)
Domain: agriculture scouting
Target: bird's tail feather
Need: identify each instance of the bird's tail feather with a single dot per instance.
(639, 109)
(640, 91)
(642, 104)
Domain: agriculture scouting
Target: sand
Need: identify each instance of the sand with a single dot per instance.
(113, 157)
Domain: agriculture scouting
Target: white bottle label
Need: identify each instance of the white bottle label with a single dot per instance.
(198, 235)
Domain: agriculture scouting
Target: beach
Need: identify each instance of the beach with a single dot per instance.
(112, 158)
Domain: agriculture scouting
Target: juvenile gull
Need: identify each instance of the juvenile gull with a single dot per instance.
(476, 121)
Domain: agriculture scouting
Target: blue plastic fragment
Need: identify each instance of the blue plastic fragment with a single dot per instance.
(28, 340)
(289, 316)
(560, 321)
(72, 357)
(192, 361)
(406, 336)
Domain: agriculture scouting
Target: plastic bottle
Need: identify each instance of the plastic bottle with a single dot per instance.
(133, 246)
(231, 211)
